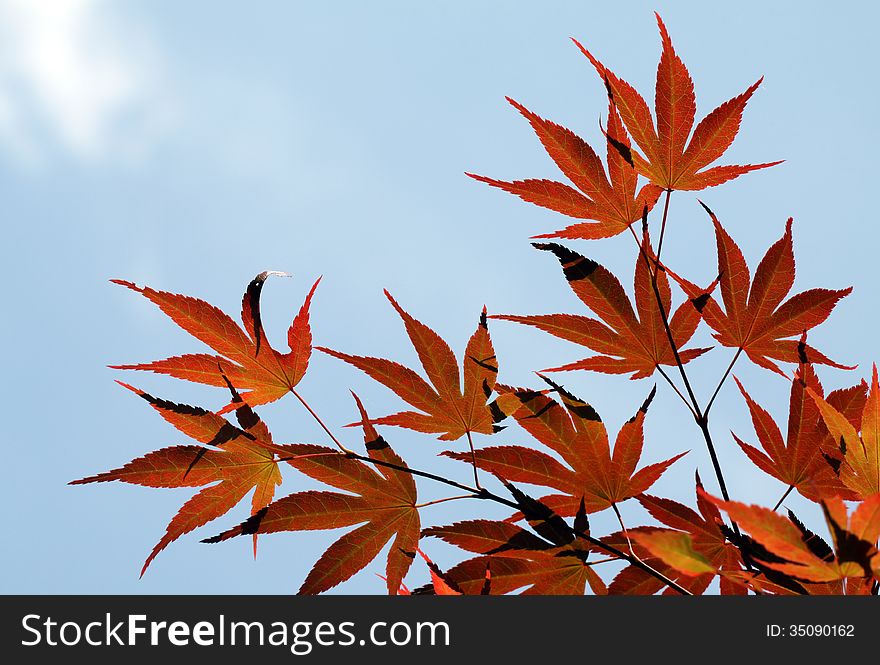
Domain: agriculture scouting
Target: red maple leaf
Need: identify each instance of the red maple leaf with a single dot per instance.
(242, 458)
(381, 501)
(629, 341)
(612, 205)
(518, 559)
(451, 406)
(755, 318)
(589, 473)
(668, 159)
(245, 356)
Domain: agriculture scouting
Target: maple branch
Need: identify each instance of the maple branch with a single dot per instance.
(783, 498)
(723, 379)
(483, 493)
(665, 318)
(700, 417)
(703, 424)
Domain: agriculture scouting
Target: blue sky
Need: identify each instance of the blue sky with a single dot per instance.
(190, 146)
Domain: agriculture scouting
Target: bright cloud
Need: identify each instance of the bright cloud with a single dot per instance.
(76, 76)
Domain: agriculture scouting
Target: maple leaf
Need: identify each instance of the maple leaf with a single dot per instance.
(628, 342)
(859, 467)
(668, 159)
(755, 318)
(798, 461)
(242, 458)
(692, 554)
(381, 501)
(448, 407)
(518, 559)
(246, 357)
(590, 473)
(800, 554)
(612, 205)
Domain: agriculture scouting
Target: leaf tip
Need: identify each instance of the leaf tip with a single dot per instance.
(128, 386)
(484, 316)
(647, 403)
(706, 208)
(519, 107)
(394, 303)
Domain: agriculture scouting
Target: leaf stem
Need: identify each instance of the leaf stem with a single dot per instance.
(623, 528)
(474, 461)
(320, 422)
(675, 388)
(783, 498)
(448, 498)
(723, 379)
(662, 231)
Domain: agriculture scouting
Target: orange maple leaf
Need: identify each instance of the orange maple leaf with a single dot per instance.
(800, 460)
(860, 448)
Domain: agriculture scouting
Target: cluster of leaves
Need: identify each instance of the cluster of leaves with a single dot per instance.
(830, 453)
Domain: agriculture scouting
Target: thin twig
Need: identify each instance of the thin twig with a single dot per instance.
(699, 416)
